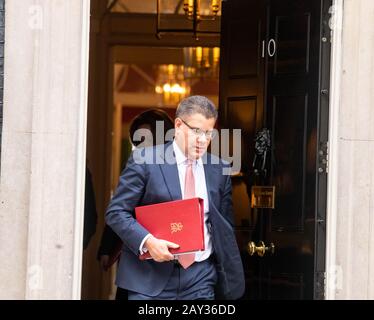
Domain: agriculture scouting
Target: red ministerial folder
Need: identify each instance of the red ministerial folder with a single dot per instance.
(180, 221)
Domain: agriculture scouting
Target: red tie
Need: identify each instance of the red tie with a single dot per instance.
(189, 192)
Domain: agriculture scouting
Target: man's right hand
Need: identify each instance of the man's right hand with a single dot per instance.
(159, 249)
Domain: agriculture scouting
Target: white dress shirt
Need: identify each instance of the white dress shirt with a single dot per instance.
(200, 191)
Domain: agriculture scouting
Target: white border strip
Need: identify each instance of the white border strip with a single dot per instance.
(332, 183)
(81, 154)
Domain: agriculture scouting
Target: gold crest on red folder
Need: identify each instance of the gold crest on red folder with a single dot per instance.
(176, 227)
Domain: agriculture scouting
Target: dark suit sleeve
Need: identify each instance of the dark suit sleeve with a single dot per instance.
(226, 202)
(120, 212)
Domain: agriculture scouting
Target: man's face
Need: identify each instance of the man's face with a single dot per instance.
(189, 134)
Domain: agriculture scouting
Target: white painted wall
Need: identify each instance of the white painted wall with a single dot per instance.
(350, 258)
(43, 148)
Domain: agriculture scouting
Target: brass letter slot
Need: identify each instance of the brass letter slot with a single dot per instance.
(263, 197)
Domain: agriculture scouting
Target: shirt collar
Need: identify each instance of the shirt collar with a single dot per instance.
(180, 156)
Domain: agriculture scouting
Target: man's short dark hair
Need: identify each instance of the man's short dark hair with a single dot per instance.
(197, 104)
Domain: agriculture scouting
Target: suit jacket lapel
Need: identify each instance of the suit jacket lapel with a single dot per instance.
(210, 175)
(169, 170)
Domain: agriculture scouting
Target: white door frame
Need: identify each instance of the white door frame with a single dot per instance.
(332, 272)
(81, 153)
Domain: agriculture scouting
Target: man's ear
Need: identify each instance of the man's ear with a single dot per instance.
(177, 122)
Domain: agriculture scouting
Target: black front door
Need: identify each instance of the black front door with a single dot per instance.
(274, 75)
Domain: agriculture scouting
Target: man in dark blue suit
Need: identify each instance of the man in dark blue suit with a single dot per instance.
(179, 169)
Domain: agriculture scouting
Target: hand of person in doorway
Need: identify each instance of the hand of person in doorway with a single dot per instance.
(104, 259)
